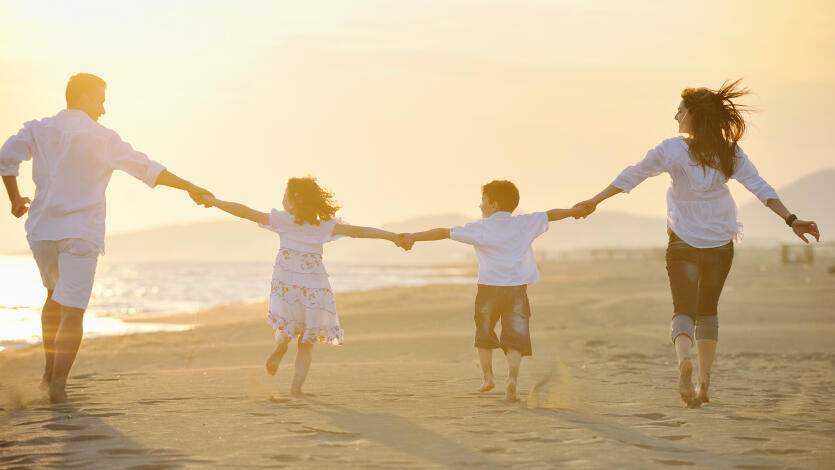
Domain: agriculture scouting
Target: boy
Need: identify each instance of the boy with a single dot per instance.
(506, 266)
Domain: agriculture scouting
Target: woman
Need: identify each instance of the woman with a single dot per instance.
(701, 217)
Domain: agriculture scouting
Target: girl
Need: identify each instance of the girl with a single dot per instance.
(701, 217)
(301, 299)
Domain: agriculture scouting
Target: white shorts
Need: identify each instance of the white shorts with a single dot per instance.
(68, 268)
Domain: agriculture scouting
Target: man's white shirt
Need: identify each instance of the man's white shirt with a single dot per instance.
(73, 158)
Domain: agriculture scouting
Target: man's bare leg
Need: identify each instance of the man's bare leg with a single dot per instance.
(707, 350)
(303, 359)
(275, 357)
(514, 361)
(50, 319)
(67, 341)
(485, 358)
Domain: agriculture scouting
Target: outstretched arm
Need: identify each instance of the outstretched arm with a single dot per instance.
(799, 227)
(19, 203)
(429, 235)
(576, 212)
(355, 231)
(591, 204)
(238, 210)
(166, 178)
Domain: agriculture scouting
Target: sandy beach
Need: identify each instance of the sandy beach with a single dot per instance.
(599, 392)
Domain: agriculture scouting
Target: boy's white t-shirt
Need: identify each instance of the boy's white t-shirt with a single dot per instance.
(503, 245)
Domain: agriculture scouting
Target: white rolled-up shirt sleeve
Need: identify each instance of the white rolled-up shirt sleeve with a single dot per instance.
(16, 149)
(653, 164)
(121, 156)
(746, 173)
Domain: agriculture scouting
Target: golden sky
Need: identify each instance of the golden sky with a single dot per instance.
(404, 108)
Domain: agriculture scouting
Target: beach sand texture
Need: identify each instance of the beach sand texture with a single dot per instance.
(599, 392)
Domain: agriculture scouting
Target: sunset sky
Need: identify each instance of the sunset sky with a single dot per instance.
(404, 108)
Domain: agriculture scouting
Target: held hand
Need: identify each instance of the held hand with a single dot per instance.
(586, 208)
(20, 207)
(199, 195)
(205, 200)
(404, 240)
(803, 227)
(583, 211)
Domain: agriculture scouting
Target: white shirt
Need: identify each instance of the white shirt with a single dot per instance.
(73, 158)
(306, 238)
(503, 245)
(700, 208)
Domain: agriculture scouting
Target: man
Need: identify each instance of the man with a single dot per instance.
(73, 158)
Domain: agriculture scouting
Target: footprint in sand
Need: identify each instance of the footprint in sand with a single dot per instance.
(64, 427)
(104, 415)
(37, 441)
(125, 451)
(674, 462)
(493, 450)
(88, 437)
(652, 416)
(286, 458)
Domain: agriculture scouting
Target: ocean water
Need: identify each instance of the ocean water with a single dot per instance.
(125, 290)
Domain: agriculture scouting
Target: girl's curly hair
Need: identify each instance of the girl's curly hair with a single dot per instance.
(310, 202)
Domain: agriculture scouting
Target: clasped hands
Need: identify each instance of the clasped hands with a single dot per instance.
(404, 240)
(584, 208)
(200, 195)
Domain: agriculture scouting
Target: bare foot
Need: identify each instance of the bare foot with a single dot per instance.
(57, 394)
(487, 385)
(701, 390)
(275, 358)
(510, 393)
(296, 392)
(685, 385)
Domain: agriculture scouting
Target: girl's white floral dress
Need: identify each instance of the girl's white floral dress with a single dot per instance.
(301, 299)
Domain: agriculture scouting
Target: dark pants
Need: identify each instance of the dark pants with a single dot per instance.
(510, 304)
(697, 276)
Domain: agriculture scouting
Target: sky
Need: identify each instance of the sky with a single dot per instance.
(405, 108)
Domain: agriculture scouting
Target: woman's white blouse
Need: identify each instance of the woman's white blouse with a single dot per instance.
(700, 208)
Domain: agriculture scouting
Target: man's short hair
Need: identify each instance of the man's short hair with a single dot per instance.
(80, 84)
(503, 193)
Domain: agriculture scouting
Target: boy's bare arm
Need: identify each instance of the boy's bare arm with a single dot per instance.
(238, 210)
(429, 235)
(576, 212)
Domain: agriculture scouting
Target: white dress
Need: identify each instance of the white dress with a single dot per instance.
(301, 298)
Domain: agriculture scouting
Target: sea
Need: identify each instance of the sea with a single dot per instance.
(128, 290)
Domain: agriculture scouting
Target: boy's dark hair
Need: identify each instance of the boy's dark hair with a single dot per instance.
(503, 193)
(80, 84)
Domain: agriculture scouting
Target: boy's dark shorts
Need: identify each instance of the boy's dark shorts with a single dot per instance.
(510, 303)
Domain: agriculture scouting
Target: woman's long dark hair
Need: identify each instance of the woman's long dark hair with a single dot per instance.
(311, 203)
(716, 125)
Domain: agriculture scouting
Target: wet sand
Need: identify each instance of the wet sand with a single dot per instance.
(599, 392)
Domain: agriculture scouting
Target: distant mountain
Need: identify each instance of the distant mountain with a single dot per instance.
(809, 197)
